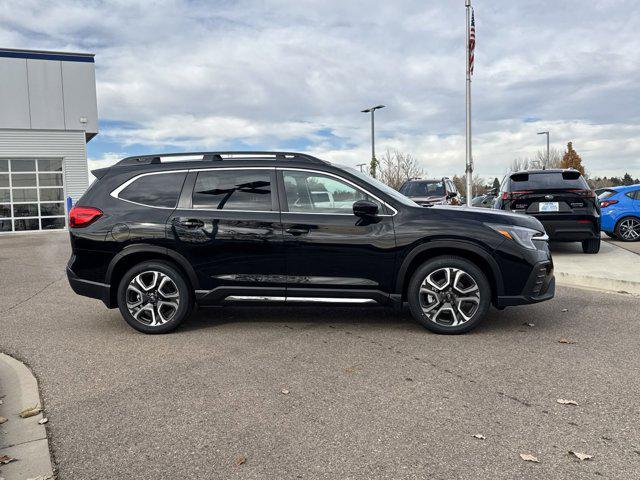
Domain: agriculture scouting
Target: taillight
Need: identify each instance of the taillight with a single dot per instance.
(80, 217)
(514, 194)
(584, 193)
(606, 203)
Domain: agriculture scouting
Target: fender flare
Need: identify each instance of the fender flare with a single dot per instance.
(147, 248)
(450, 245)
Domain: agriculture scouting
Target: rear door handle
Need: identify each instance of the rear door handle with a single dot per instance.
(297, 230)
(190, 223)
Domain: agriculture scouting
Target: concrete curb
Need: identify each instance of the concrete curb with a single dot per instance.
(597, 283)
(22, 438)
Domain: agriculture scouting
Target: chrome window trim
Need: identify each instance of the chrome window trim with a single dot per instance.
(116, 192)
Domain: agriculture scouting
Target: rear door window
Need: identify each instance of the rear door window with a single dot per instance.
(548, 181)
(155, 190)
(246, 190)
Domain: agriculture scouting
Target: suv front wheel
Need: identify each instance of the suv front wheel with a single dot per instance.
(449, 295)
(154, 297)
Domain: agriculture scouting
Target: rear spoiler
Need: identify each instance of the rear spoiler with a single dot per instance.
(100, 172)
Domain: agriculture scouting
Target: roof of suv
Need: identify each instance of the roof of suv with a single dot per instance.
(544, 170)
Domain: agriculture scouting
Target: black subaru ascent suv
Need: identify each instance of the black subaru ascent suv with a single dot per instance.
(155, 235)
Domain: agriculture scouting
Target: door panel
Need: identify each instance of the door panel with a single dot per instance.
(327, 247)
(234, 239)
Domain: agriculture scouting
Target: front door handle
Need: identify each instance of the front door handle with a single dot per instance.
(190, 223)
(297, 230)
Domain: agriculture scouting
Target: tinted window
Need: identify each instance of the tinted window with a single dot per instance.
(423, 189)
(317, 193)
(158, 190)
(548, 180)
(233, 190)
(607, 194)
(635, 194)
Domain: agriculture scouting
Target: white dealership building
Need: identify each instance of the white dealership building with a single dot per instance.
(48, 112)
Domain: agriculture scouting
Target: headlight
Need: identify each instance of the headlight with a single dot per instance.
(521, 235)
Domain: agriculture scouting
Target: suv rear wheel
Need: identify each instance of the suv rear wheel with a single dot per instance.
(154, 297)
(591, 246)
(449, 295)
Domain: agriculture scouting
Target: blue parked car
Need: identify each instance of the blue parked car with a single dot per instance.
(621, 212)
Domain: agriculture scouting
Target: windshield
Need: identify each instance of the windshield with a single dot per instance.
(381, 186)
(433, 188)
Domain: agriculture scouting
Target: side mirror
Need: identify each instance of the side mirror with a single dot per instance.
(365, 208)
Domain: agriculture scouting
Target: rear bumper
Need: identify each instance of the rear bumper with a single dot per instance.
(540, 286)
(570, 230)
(87, 288)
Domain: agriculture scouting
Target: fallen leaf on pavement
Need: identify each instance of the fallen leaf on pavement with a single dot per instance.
(529, 324)
(350, 370)
(4, 459)
(42, 421)
(479, 436)
(581, 456)
(30, 412)
(527, 457)
(240, 459)
(2, 420)
(565, 309)
(284, 391)
(566, 340)
(562, 401)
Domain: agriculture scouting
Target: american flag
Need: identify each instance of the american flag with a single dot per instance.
(472, 41)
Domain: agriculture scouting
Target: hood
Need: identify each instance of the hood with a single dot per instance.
(489, 216)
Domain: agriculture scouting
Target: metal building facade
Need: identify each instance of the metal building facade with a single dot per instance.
(48, 111)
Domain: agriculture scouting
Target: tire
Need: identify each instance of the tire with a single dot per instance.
(451, 320)
(166, 297)
(611, 235)
(591, 246)
(628, 229)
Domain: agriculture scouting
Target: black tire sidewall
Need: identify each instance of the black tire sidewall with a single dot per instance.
(591, 246)
(184, 289)
(617, 229)
(453, 262)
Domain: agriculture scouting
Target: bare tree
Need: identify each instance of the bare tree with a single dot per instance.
(539, 160)
(397, 167)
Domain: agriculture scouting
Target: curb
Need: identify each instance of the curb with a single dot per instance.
(597, 283)
(22, 438)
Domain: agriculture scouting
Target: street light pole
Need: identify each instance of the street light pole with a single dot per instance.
(374, 162)
(360, 165)
(547, 134)
(469, 157)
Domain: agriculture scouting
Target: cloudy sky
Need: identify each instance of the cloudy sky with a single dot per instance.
(294, 75)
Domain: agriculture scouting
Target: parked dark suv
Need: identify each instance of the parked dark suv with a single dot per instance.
(429, 192)
(155, 235)
(561, 199)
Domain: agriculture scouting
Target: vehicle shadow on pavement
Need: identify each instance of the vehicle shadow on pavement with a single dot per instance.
(311, 317)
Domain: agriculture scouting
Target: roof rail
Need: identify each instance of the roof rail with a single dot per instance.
(218, 157)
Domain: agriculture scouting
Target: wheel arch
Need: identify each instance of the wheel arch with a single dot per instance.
(135, 254)
(469, 251)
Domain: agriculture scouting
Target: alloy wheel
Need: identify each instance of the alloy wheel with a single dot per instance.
(449, 297)
(152, 298)
(630, 229)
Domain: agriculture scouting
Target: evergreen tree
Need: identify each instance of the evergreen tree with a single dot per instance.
(496, 183)
(627, 179)
(571, 159)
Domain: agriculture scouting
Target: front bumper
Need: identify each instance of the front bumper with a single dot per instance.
(540, 286)
(87, 288)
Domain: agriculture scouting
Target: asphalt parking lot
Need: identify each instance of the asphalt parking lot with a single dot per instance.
(371, 394)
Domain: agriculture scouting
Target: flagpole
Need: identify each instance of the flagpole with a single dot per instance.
(469, 159)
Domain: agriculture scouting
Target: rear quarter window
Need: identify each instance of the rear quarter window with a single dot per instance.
(155, 190)
(548, 181)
